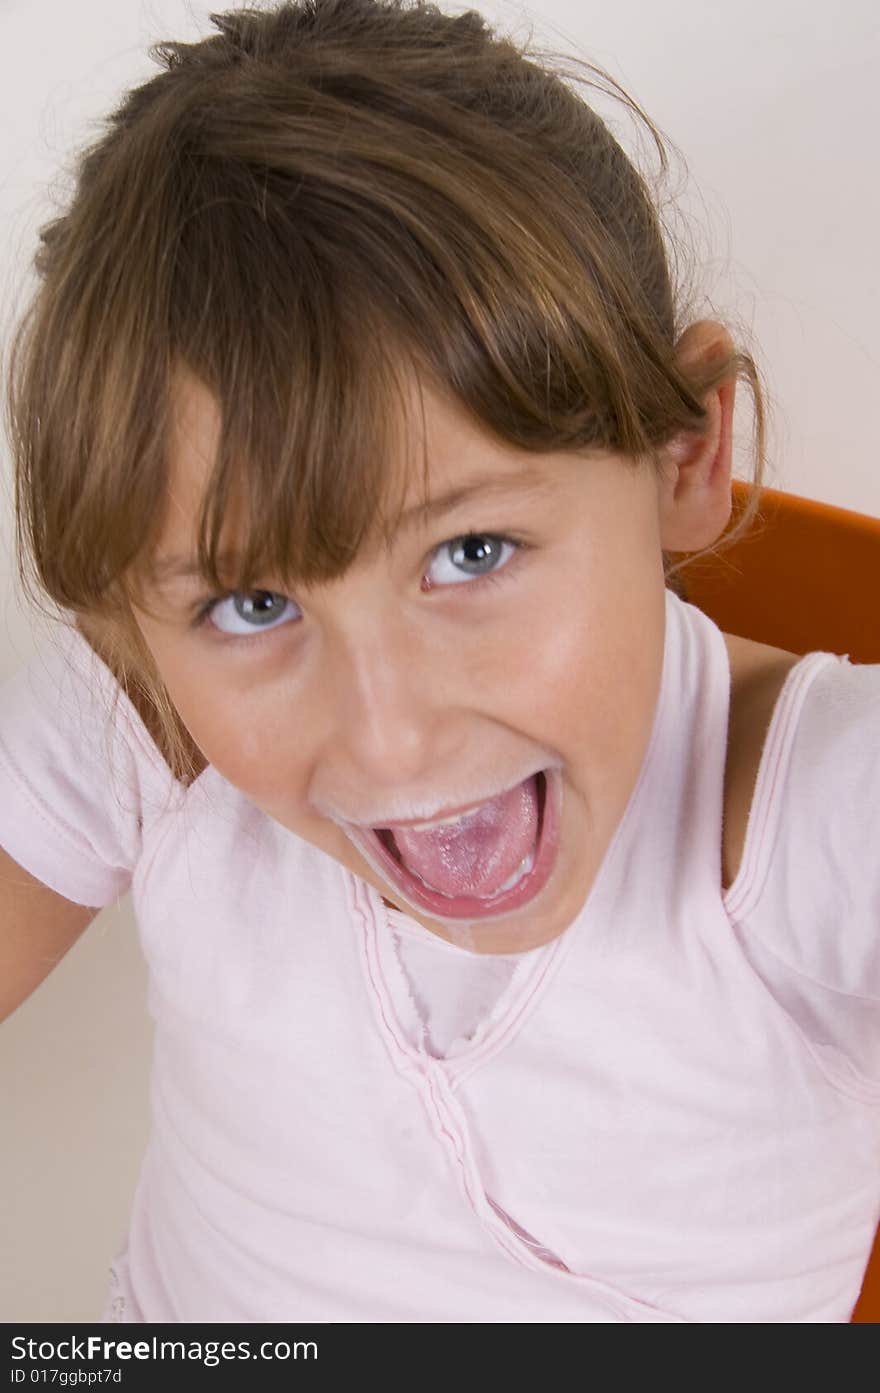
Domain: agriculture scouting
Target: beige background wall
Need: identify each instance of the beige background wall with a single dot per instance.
(775, 105)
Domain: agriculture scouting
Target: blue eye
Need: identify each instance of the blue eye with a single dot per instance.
(253, 612)
(469, 557)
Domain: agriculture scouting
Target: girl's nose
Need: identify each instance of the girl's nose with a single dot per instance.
(386, 713)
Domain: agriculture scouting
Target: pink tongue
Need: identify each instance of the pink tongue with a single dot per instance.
(475, 855)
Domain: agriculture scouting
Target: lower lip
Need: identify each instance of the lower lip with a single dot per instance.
(472, 907)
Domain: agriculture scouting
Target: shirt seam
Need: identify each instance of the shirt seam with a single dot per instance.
(762, 829)
(841, 1086)
(751, 932)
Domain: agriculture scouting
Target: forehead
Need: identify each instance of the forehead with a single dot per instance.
(428, 419)
(193, 442)
(437, 445)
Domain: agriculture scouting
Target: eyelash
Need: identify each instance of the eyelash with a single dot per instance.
(206, 606)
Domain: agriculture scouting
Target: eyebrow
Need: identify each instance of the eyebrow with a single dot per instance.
(168, 569)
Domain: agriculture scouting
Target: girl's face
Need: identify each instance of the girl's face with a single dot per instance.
(438, 674)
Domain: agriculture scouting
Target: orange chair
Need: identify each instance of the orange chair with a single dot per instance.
(805, 577)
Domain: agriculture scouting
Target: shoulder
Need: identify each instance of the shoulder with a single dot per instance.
(757, 676)
(831, 754)
(753, 664)
(808, 890)
(76, 790)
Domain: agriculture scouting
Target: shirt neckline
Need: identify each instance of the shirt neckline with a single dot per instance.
(392, 1000)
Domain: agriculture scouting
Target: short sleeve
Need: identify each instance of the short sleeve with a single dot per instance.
(80, 778)
(811, 918)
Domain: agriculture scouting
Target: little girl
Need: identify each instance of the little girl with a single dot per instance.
(512, 931)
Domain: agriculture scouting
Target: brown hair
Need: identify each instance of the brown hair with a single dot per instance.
(298, 209)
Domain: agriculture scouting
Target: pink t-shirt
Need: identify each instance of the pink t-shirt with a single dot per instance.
(671, 1113)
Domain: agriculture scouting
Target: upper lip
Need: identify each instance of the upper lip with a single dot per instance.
(443, 813)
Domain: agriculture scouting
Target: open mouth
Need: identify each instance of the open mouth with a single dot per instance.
(386, 836)
(527, 881)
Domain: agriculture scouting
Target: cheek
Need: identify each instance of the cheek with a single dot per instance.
(260, 757)
(592, 681)
(238, 724)
(557, 660)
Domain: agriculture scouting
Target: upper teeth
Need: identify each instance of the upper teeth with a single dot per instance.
(440, 821)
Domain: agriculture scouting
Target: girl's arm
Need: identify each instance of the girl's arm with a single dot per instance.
(37, 927)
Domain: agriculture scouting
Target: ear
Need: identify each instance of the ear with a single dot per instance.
(695, 494)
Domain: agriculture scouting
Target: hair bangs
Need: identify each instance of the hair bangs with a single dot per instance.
(312, 466)
(311, 212)
(312, 391)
